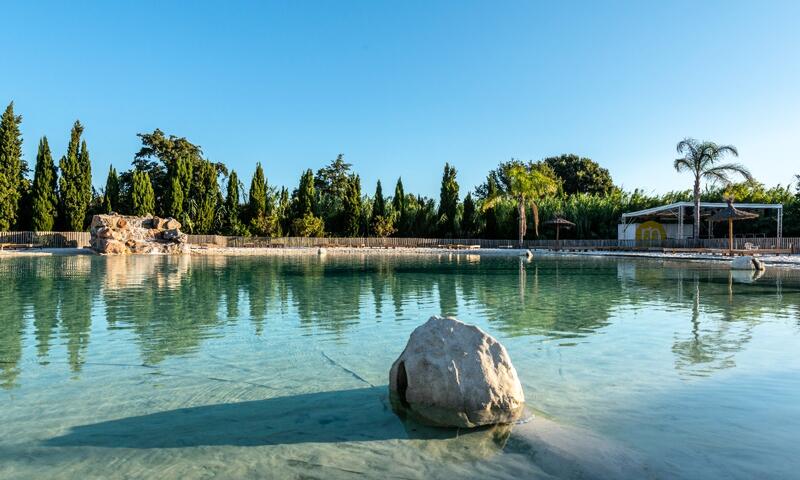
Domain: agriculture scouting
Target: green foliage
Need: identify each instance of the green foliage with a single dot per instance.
(580, 175)
(351, 208)
(304, 198)
(308, 226)
(175, 199)
(233, 224)
(525, 184)
(382, 226)
(45, 183)
(142, 196)
(111, 194)
(74, 185)
(399, 207)
(469, 226)
(448, 202)
(378, 208)
(12, 168)
(203, 214)
(701, 159)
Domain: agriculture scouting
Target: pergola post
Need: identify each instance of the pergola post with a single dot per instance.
(680, 223)
(780, 226)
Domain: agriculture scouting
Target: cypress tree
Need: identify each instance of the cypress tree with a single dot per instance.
(86, 177)
(468, 222)
(111, 195)
(232, 203)
(206, 198)
(73, 201)
(352, 207)
(185, 175)
(175, 199)
(12, 168)
(142, 195)
(378, 203)
(399, 199)
(257, 204)
(490, 214)
(448, 201)
(306, 195)
(44, 199)
(399, 206)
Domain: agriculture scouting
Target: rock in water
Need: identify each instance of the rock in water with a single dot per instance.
(457, 375)
(747, 263)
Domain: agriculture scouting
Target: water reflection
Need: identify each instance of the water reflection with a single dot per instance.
(172, 304)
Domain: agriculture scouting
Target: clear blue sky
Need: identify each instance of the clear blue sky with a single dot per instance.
(402, 87)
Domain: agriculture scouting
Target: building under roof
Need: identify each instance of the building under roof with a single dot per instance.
(679, 211)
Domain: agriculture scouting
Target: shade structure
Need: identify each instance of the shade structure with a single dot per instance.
(731, 214)
(559, 223)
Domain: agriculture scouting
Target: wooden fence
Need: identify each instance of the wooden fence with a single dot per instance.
(393, 242)
(46, 239)
(81, 239)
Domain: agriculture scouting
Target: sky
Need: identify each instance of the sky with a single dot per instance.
(400, 88)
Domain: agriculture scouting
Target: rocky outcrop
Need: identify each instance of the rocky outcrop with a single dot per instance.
(454, 374)
(118, 234)
(747, 263)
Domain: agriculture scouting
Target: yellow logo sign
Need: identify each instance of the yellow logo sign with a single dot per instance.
(651, 230)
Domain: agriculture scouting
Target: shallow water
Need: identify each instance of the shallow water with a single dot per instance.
(251, 367)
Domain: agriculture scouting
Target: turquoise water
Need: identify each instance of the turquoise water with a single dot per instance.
(245, 367)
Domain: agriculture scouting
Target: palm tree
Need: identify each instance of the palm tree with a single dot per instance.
(524, 184)
(701, 159)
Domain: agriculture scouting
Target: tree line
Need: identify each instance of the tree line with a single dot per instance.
(171, 177)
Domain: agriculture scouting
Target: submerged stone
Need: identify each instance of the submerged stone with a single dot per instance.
(454, 374)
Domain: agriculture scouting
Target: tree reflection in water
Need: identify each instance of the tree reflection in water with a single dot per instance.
(172, 304)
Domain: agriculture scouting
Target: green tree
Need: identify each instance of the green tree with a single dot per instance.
(305, 196)
(86, 189)
(331, 184)
(448, 202)
(233, 224)
(142, 196)
(378, 202)
(308, 226)
(468, 217)
(580, 174)
(352, 207)
(12, 168)
(73, 200)
(491, 229)
(45, 184)
(206, 199)
(257, 205)
(111, 194)
(399, 207)
(701, 159)
(175, 199)
(525, 184)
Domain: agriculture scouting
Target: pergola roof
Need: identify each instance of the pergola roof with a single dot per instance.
(669, 209)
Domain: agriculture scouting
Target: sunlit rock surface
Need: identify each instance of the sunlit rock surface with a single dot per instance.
(454, 374)
(119, 234)
(747, 263)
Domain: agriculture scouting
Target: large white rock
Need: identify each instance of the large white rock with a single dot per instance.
(747, 263)
(454, 374)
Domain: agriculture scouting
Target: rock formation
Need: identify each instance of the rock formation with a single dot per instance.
(118, 234)
(747, 263)
(454, 374)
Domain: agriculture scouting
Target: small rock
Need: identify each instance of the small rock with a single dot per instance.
(322, 251)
